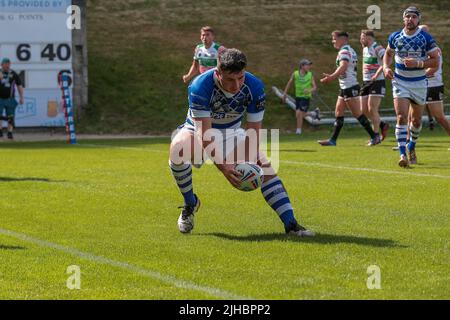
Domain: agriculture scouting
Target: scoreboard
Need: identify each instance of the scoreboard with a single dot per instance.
(34, 35)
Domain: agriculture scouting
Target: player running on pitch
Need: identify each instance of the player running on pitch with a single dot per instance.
(346, 63)
(205, 54)
(218, 99)
(305, 86)
(374, 85)
(415, 50)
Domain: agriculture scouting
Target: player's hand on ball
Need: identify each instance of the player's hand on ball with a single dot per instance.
(388, 73)
(231, 174)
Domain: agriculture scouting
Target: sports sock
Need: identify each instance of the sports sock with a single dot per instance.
(366, 124)
(414, 135)
(400, 133)
(338, 124)
(183, 177)
(382, 124)
(277, 198)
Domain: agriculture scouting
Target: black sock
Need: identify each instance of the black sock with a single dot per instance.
(338, 124)
(382, 124)
(366, 124)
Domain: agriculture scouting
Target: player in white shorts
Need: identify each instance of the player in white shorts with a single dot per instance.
(205, 54)
(218, 100)
(346, 64)
(414, 50)
(374, 85)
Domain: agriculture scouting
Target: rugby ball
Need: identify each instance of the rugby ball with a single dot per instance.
(252, 176)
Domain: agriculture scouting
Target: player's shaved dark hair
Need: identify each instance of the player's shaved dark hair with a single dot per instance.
(340, 33)
(232, 60)
(207, 29)
(369, 33)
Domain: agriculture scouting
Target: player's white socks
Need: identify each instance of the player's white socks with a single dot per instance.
(183, 177)
(414, 135)
(299, 131)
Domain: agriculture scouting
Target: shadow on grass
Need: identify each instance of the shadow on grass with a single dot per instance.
(27, 179)
(297, 150)
(321, 238)
(3, 247)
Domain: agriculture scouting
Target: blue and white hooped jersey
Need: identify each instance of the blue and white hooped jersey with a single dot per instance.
(208, 100)
(417, 46)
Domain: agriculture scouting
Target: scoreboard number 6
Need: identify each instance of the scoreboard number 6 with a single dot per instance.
(50, 52)
(23, 52)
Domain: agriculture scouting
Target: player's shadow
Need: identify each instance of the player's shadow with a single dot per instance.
(321, 238)
(4, 247)
(29, 179)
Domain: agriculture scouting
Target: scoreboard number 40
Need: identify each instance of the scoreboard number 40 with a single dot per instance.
(48, 52)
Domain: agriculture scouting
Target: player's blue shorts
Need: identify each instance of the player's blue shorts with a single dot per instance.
(302, 104)
(9, 105)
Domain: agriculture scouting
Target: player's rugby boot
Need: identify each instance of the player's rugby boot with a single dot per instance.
(186, 219)
(403, 162)
(384, 131)
(412, 158)
(300, 231)
(374, 141)
(327, 143)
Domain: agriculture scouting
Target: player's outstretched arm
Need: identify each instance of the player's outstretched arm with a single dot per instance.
(193, 71)
(342, 69)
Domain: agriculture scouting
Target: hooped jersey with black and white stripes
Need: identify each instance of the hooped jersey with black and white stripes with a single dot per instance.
(372, 60)
(349, 78)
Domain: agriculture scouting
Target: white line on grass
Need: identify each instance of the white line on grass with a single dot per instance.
(126, 266)
(323, 165)
(309, 164)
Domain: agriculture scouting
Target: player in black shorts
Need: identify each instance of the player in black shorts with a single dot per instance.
(346, 72)
(374, 86)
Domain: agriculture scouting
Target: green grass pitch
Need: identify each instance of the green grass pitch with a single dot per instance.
(110, 207)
